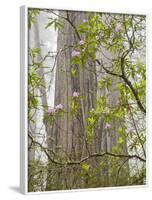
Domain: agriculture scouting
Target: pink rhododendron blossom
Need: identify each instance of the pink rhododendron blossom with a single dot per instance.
(76, 94)
(130, 130)
(81, 42)
(59, 107)
(75, 53)
(52, 111)
(84, 20)
(118, 27)
(107, 126)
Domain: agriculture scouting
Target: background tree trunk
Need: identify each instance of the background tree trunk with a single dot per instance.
(70, 132)
(38, 131)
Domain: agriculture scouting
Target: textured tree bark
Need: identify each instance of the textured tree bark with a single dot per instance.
(70, 131)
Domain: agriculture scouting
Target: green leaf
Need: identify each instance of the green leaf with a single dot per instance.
(85, 167)
(56, 23)
(91, 121)
(120, 130)
(49, 24)
(120, 140)
(74, 72)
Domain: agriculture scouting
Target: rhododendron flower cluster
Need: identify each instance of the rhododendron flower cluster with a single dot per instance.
(81, 42)
(130, 130)
(107, 126)
(118, 27)
(59, 107)
(75, 53)
(52, 111)
(76, 94)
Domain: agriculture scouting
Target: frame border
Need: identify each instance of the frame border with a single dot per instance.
(24, 98)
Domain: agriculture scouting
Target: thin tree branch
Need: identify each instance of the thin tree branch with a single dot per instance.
(86, 158)
(129, 84)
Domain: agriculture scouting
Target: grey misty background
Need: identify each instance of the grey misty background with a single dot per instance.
(46, 40)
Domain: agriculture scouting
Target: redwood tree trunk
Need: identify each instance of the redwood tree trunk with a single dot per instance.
(69, 131)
